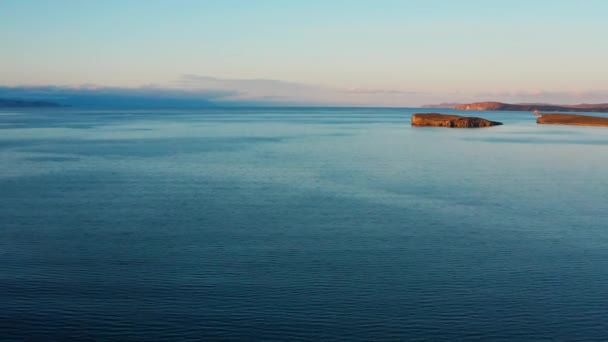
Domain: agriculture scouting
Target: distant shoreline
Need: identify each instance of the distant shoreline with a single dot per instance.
(13, 103)
(524, 107)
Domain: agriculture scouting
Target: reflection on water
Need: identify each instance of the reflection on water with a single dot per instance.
(300, 223)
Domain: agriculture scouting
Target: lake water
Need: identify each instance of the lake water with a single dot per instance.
(300, 224)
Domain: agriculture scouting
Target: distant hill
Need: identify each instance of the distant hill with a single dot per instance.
(441, 105)
(585, 107)
(12, 103)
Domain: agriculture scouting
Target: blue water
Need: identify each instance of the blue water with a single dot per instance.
(300, 224)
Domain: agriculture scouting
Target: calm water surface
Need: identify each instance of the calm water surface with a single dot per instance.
(300, 224)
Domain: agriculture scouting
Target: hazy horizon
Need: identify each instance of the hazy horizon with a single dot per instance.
(321, 53)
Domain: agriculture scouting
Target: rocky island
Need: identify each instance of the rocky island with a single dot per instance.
(530, 107)
(572, 119)
(446, 120)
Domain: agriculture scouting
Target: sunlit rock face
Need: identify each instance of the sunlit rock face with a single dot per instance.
(445, 120)
(572, 119)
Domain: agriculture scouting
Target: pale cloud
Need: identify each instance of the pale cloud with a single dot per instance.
(279, 91)
(198, 90)
(302, 93)
(396, 92)
(258, 89)
(95, 95)
(547, 96)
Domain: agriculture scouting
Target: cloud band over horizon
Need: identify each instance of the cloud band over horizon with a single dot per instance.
(192, 90)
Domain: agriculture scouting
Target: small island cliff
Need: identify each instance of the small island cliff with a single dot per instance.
(572, 119)
(454, 121)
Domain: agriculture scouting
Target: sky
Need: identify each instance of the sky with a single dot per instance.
(314, 52)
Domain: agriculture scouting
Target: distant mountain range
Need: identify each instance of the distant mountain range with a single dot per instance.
(12, 103)
(526, 107)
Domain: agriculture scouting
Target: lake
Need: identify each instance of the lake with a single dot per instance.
(300, 224)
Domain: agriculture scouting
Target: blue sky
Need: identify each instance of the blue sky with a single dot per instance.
(382, 52)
